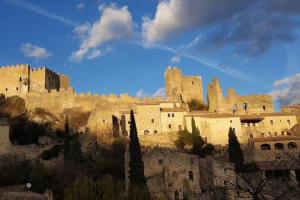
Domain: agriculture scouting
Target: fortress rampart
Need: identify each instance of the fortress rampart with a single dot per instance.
(234, 103)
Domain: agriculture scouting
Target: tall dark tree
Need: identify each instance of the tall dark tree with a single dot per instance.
(136, 165)
(197, 140)
(234, 150)
(67, 138)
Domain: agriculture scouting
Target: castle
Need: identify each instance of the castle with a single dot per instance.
(158, 119)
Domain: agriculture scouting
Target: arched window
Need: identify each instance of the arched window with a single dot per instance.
(292, 145)
(146, 132)
(264, 147)
(279, 146)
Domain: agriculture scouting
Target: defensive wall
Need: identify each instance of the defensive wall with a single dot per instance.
(234, 103)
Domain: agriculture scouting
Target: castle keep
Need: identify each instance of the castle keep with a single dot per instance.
(183, 88)
(158, 119)
(21, 79)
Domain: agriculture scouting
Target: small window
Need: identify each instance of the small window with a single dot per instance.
(265, 147)
(160, 161)
(245, 106)
(17, 88)
(6, 89)
(169, 115)
(49, 78)
(292, 145)
(152, 120)
(103, 121)
(230, 121)
(262, 134)
(271, 122)
(264, 107)
(146, 132)
(20, 79)
(282, 132)
(191, 177)
(128, 122)
(289, 122)
(172, 114)
(179, 127)
(251, 135)
(192, 82)
(275, 133)
(155, 131)
(170, 126)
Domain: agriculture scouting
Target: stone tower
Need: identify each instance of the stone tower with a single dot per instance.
(214, 96)
(182, 88)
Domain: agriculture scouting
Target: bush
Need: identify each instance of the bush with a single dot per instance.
(197, 105)
(11, 106)
(13, 173)
(22, 131)
(51, 153)
(184, 137)
(106, 188)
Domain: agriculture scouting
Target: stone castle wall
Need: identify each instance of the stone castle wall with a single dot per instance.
(14, 80)
(292, 109)
(21, 79)
(183, 88)
(234, 103)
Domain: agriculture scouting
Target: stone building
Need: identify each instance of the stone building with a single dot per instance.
(170, 174)
(183, 88)
(214, 127)
(292, 109)
(236, 104)
(22, 79)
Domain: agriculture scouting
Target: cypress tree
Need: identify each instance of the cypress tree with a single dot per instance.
(234, 150)
(66, 138)
(136, 165)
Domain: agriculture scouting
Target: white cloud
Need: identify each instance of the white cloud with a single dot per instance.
(32, 51)
(141, 94)
(175, 59)
(114, 24)
(80, 6)
(287, 90)
(160, 92)
(41, 11)
(175, 16)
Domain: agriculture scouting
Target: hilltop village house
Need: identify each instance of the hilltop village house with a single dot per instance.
(251, 116)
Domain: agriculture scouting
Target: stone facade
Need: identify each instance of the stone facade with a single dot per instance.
(22, 79)
(170, 174)
(214, 127)
(183, 88)
(236, 104)
(292, 109)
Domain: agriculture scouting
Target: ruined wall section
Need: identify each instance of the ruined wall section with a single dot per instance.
(14, 79)
(235, 103)
(292, 109)
(182, 88)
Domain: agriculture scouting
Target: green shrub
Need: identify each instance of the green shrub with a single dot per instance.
(51, 153)
(197, 105)
(22, 131)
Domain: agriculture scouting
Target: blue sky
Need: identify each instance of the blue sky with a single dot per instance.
(125, 46)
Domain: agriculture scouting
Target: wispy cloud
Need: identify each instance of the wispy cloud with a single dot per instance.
(240, 75)
(33, 51)
(41, 11)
